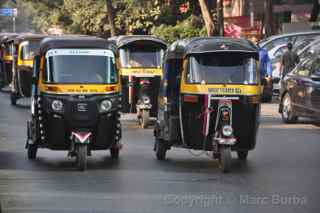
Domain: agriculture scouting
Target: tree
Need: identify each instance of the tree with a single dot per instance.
(315, 11)
(268, 21)
(111, 16)
(208, 18)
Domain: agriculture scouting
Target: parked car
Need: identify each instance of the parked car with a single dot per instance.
(273, 41)
(300, 91)
(303, 48)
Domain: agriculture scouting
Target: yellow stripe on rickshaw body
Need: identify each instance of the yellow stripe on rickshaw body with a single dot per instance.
(79, 88)
(141, 71)
(27, 63)
(7, 58)
(221, 89)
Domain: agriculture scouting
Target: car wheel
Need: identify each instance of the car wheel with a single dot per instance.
(288, 114)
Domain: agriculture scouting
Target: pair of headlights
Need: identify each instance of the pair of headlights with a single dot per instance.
(105, 106)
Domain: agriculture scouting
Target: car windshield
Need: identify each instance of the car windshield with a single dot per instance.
(141, 58)
(217, 68)
(94, 66)
(28, 50)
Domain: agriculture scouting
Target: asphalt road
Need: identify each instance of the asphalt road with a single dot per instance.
(281, 175)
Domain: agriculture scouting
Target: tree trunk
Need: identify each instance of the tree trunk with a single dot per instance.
(207, 17)
(220, 17)
(268, 24)
(315, 11)
(110, 13)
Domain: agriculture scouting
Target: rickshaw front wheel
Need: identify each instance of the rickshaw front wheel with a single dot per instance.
(225, 159)
(288, 114)
(32, 151)
(82, 157)
(160, 149)
(114, 152)
(242, 155)
(145, 119)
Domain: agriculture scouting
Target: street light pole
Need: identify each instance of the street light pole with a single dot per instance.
(14, 24)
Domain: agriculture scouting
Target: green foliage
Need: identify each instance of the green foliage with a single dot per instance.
(186, 29)
(90, 17)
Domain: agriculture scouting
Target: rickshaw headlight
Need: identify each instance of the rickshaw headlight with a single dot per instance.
(105, 106)
(227, 131)
(57, 105)
(146, 100)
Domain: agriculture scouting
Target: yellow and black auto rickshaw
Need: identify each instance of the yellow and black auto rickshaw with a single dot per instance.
(6, 59)
(75, 101)
(25, 46)
(140, 60)
(209, 98)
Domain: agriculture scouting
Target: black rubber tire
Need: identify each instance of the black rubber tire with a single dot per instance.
(13, 99)
(242, 155)
(114, 152)
(267, 99)
(225, 159)
(145, 118)
(160, 149)
(288, 115)
(82, 157)
(32, 151)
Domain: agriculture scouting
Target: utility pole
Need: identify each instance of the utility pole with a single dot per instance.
(13, 24)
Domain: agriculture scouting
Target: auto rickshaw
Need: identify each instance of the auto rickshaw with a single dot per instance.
(140, 60)
(75, 101)
(6, 58)
(209, 98)
(25, 46)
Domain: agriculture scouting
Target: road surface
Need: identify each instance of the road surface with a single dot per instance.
(281, 175)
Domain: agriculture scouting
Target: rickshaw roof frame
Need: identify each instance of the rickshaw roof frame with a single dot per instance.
(28, 37)
(200, 45)
(124, 40)
(65, 41)
(7, 37)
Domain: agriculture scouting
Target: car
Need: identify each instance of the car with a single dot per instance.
(303, 48)
(300, 91)
(273, 41)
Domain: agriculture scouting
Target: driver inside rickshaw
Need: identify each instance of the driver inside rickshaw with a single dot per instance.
(82, 69)
(217, 68)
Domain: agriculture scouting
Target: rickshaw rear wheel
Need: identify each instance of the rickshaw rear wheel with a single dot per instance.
(225, 159)
(114, 152)
(32, 151)
(161, 149)
(242, 155)
(13, 99)
(82, 157)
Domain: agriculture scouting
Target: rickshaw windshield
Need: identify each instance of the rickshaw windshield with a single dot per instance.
(222, 68)
(141, 58)
(28, 50)
(80, 66)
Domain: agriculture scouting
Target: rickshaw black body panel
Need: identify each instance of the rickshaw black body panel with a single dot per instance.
(79, 114)
(152, 93)
(245, 120)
